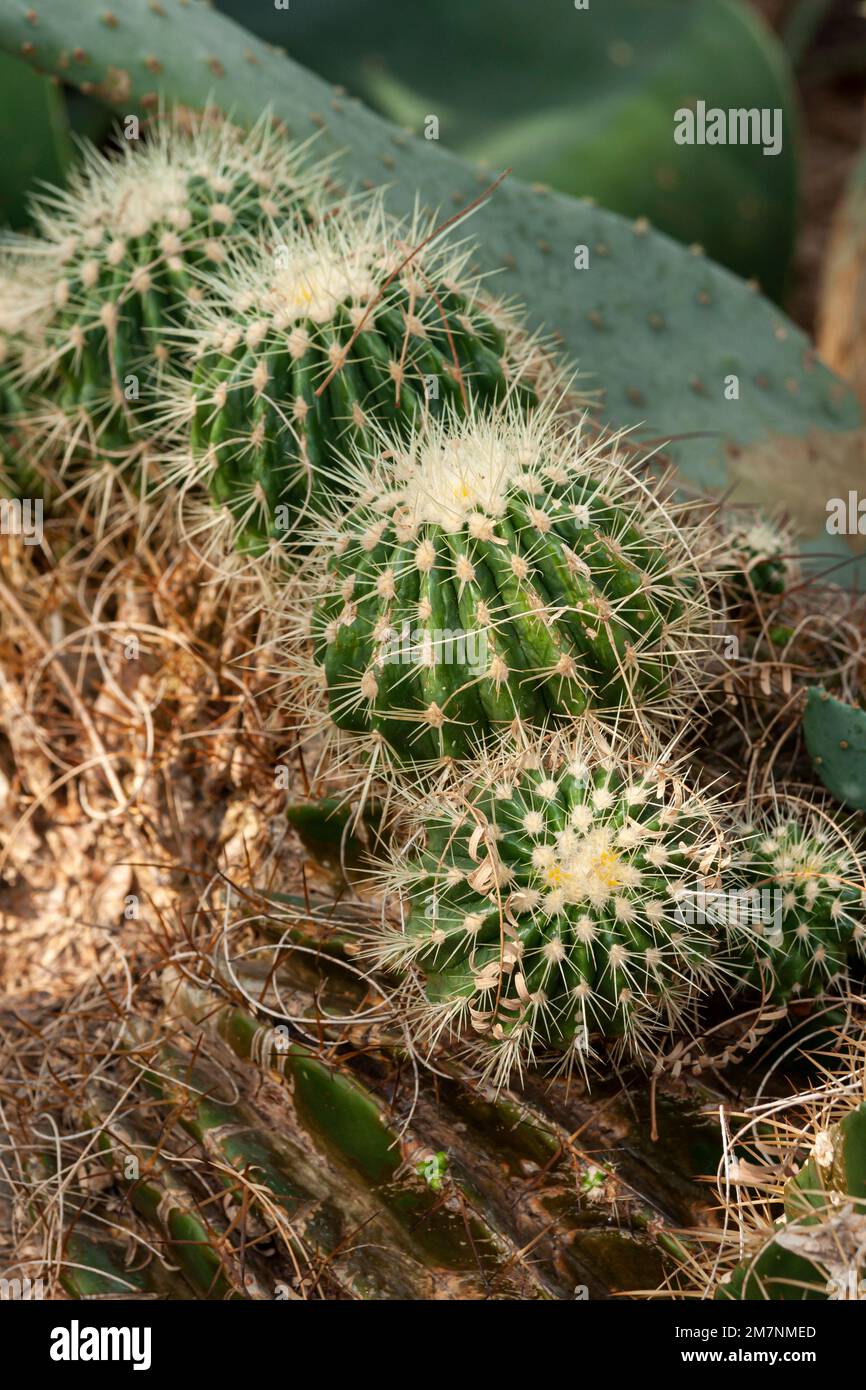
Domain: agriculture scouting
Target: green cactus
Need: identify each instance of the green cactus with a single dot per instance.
(500, 568)
(658, 357)
(306, 341)
(759, 553)
(94, 1266)
(117, 259)
(345, 1120)
(332, 832)
(159, 1192)
(804, 905)
(837, 1164)
(542, 907)
(835, 735)
(93, 1262)
(279, 1184)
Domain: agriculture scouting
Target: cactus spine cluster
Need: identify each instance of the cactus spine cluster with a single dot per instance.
(547, 904)
(308, 341)
(503, 568)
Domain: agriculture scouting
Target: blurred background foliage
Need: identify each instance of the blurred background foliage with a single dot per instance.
(34, 117)
(577, 99)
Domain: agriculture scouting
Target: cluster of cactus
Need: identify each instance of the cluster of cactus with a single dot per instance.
(476, 565)
(113, 271)
(196, 290)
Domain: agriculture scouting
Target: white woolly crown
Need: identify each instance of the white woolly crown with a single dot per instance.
(145, 186)
(293, 273)
(456, 471)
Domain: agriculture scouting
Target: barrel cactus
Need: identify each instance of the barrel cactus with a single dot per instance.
(307, 341)
(548, 904)
(804, 902)
(118, 252)
(501, 568)
(758, 555)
